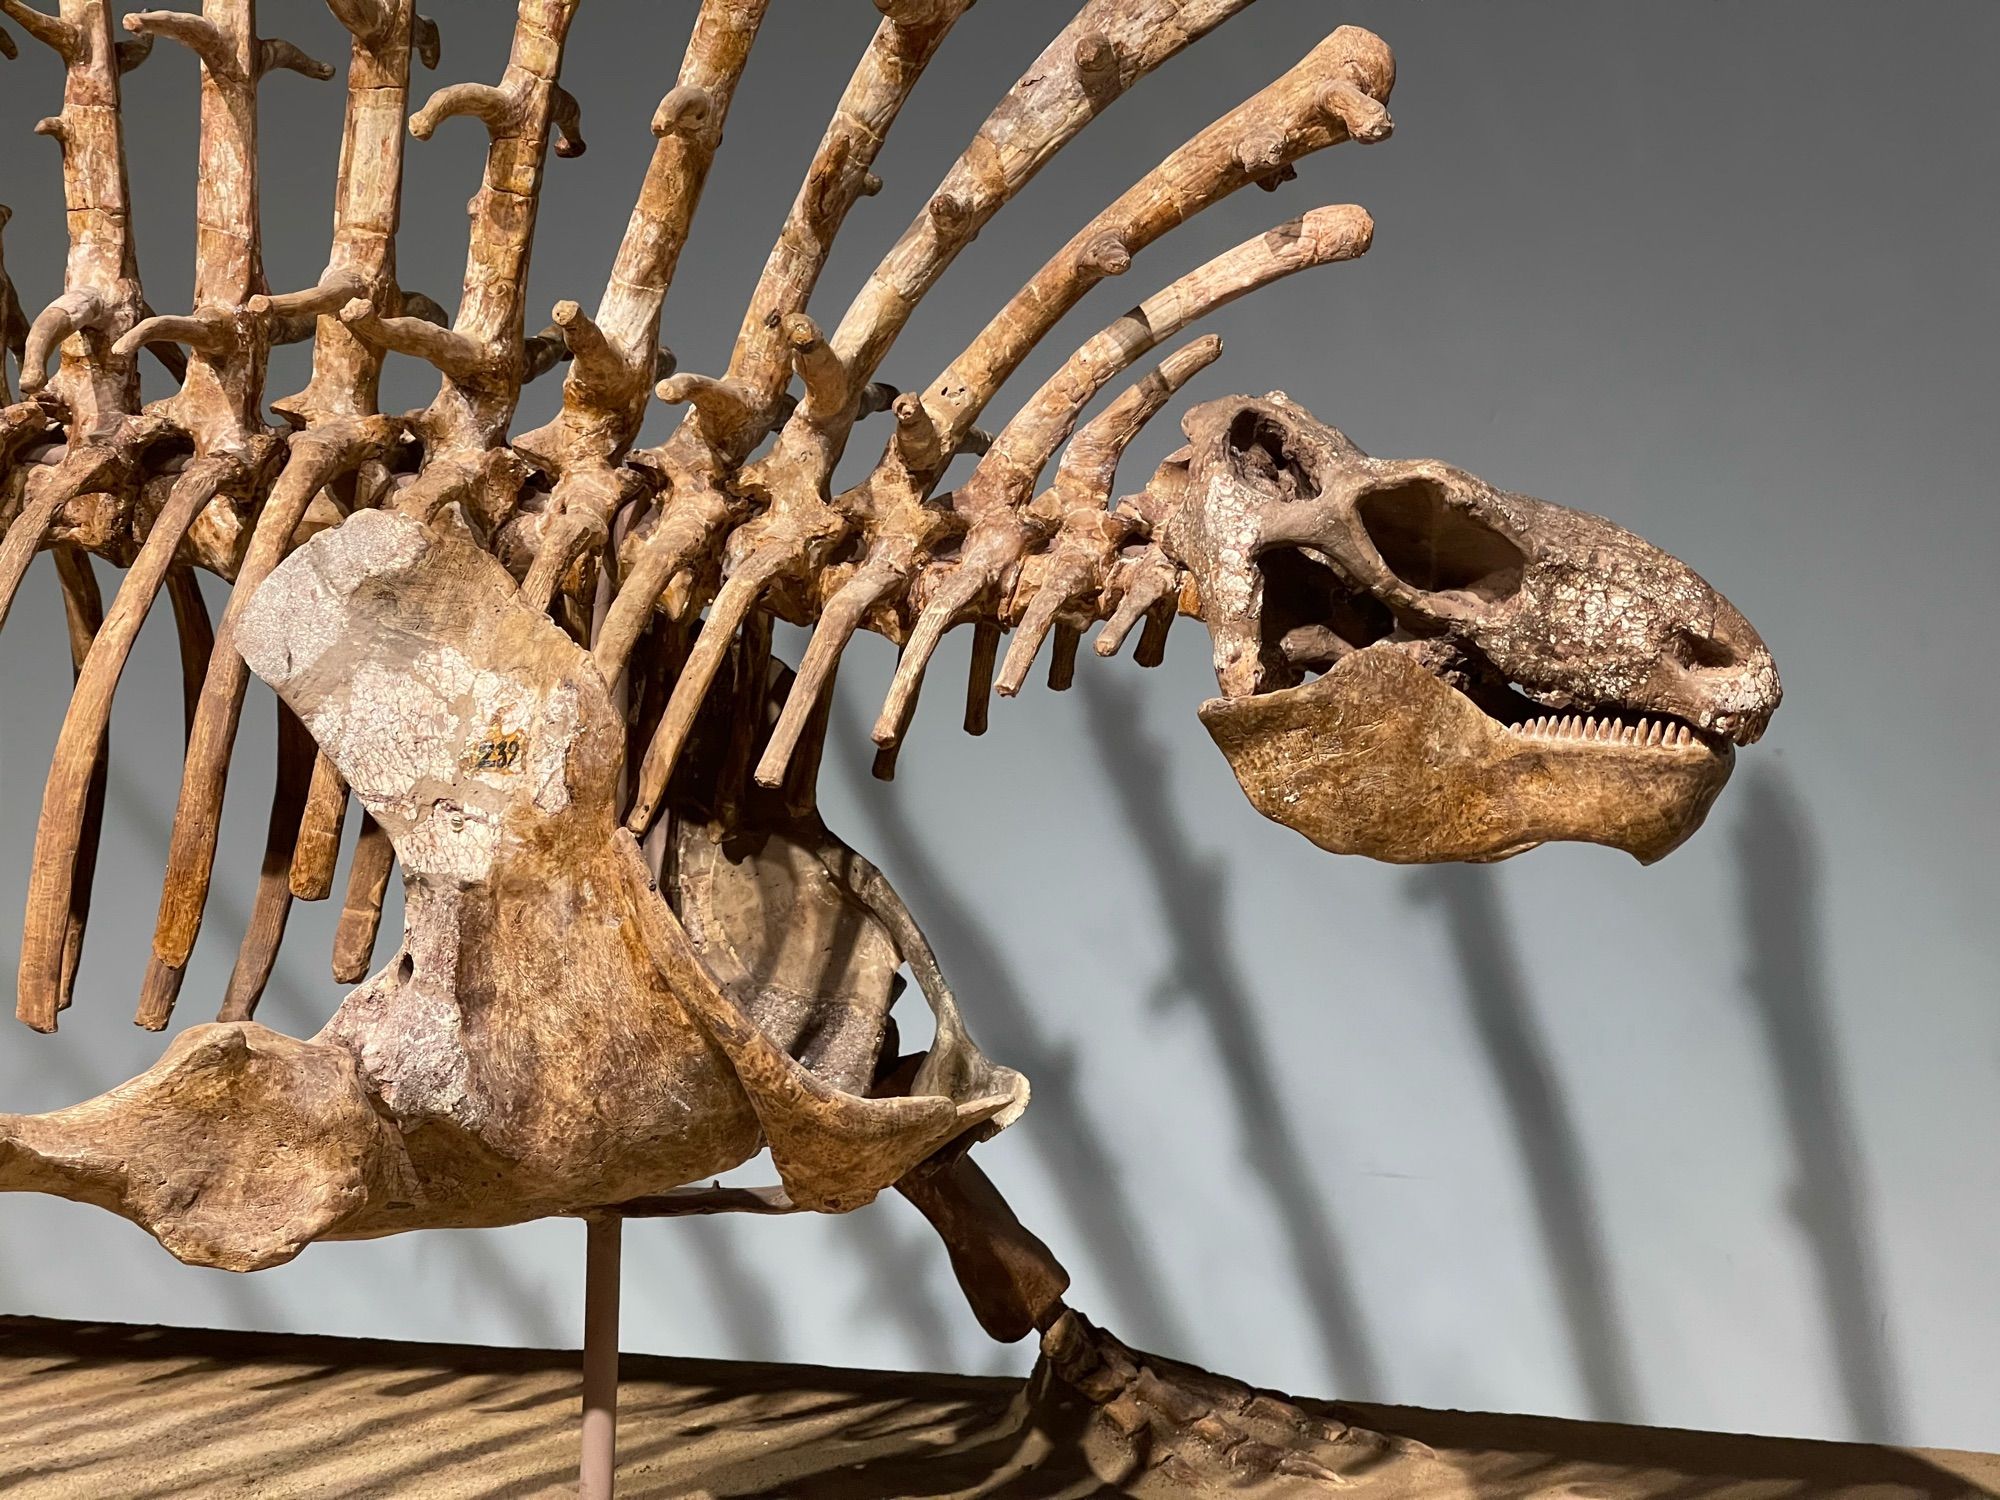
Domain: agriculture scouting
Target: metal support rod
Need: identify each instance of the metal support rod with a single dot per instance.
(600, 1358)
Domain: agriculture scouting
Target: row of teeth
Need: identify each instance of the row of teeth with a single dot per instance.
(1604, 731)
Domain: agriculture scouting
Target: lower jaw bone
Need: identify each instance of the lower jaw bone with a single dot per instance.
(1381, 758)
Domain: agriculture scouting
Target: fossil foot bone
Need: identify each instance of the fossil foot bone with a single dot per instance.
(1145, 1418)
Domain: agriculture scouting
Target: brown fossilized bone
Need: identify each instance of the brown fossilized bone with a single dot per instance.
(537, 668)
(1494, 671)
(548, 1037)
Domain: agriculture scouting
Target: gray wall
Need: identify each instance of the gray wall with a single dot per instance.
(1707, 1144)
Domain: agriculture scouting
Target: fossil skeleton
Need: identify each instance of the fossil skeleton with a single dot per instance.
(541, 663)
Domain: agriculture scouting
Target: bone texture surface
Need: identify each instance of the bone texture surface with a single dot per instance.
(537, 669)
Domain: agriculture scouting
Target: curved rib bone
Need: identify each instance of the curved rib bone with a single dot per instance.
(273, 901)
(24, 537)
(83, 611)
(108, 468)
(317, 851)
(838, 621)
(195, 635)
(336, 409)
(317, 459)
(682, 533)
(361, 912)
(65, 802)
(1150, 581)
(738, 597)
(952, 600)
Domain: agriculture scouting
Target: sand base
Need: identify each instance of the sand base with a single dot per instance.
(99, 1411)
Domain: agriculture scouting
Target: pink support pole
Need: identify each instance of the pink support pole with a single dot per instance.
(600, 1359)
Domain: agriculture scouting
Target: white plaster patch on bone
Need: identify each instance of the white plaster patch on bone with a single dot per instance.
(369, 544)
(390, 729)
(548, 748)
(289, 624)
(1232, 516)
(415, 737)
(307, 605)
(451, 841)
(447, 750)
(404, 1025)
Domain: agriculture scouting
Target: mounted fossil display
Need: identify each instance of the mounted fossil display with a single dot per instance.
(634, 956)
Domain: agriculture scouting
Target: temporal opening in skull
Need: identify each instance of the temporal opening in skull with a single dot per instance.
(1264, 458)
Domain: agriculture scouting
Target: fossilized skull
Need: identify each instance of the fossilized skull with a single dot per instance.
(1418, 667)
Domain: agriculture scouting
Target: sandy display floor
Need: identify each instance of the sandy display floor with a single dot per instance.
(103, 1411)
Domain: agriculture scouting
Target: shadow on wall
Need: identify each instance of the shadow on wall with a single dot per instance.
(1068, 1141)
(900, 1252)
(1778, 895)
(1201, 970)
(741, 1301)
(1778, 871)
(1545, 1138)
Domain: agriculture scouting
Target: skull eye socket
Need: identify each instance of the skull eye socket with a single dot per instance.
(1436, 547)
